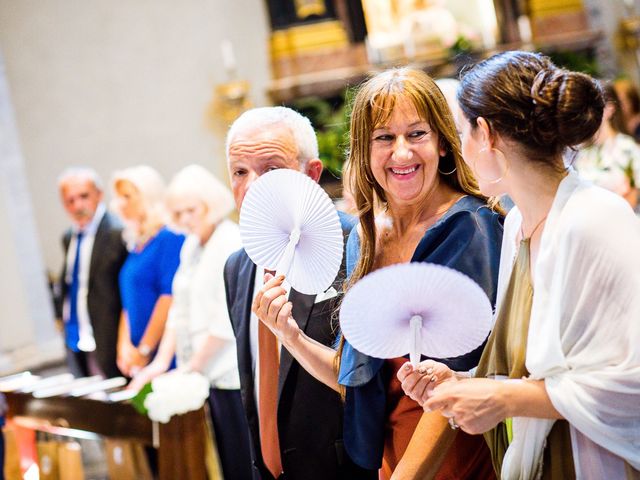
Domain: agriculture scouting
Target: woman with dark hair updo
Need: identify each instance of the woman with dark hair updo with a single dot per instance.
(417, 201)
(557, 389)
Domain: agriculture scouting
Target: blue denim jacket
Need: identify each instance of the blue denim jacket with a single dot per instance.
(467, 238)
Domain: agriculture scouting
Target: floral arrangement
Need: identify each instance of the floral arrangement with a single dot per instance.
(172, 393)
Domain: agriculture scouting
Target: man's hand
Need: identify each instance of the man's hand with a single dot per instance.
(274, 310)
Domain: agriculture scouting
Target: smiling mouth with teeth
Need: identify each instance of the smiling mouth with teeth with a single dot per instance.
(404, 171)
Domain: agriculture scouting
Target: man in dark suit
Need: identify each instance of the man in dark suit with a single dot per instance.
(307, 442)
(87, 295)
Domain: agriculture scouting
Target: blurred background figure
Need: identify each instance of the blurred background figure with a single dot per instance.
(613, 160)
(147, 274)
(629, 98)
(198, 329)
(449, 88)
(87, 295)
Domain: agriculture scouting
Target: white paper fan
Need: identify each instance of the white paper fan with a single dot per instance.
(415, 308)
(289, 224)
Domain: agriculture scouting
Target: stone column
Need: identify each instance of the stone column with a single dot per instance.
(27, 333)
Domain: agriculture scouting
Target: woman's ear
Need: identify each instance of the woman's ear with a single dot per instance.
(483, 129)
(609, 110)
(442, 147)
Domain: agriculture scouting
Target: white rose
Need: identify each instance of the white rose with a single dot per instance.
(176, 393)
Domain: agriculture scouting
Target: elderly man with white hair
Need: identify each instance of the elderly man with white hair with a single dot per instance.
(88, 299)
(295, 421)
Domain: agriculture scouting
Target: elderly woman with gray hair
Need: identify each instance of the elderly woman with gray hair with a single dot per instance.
(147, 274)
(198, 330)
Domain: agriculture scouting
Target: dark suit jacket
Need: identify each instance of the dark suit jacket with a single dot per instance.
(103, 297)
(309, 412)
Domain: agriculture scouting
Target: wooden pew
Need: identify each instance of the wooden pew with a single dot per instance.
(180, 443)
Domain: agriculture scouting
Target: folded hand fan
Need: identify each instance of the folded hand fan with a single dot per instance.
(289, 224)
(415, 308)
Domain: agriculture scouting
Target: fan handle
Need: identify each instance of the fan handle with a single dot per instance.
(416, 340)
(284, 265)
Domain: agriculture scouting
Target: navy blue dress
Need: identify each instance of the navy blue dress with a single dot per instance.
(467, 238)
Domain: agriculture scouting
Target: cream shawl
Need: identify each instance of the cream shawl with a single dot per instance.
(584, 332)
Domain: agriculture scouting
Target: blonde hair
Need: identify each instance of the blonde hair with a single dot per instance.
(372, 107)
(198, 182)
(150, 185)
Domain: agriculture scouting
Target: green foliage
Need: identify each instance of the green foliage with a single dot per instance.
(138, 400)
(461, 46)
(578, 61)
(331, 121)
(629, 173)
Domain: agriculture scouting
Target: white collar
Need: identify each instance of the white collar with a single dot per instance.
(92, 227)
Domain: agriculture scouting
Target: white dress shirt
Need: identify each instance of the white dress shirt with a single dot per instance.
(86, 342)
(199, 307)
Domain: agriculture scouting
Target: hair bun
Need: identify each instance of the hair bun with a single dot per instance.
(567, 107)
(526, 98)
(544, 95)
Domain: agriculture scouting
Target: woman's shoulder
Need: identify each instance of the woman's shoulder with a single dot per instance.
(228, 230)
(470, 229)
(352, 249)
(189, 247)
(225, 240)
(595, 213)
(167, 234)
(596, 231)
(469, 212)
(168, 238)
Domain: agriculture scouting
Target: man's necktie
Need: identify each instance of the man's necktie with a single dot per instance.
(268, 399)
(72, 328)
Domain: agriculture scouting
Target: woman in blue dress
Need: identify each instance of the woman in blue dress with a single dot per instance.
(147, 274)
(417, 202)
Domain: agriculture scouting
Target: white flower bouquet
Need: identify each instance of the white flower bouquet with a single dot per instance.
(175, 393)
